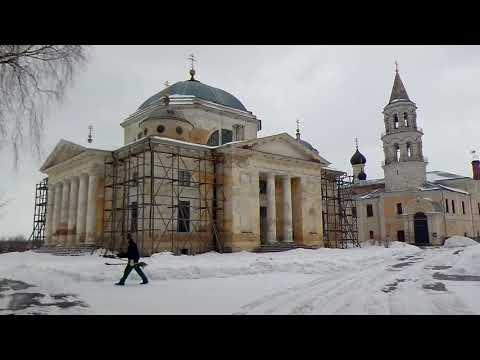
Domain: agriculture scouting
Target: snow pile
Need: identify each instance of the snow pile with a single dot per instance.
(166, 266)
(469, 263)
(403, 245)
(456, 241)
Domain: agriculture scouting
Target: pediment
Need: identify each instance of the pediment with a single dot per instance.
(282, 145)
(62, 152)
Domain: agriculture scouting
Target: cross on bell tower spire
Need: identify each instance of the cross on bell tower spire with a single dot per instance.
(298, 130)
(356, 143)
(396, 66)
(192, 68)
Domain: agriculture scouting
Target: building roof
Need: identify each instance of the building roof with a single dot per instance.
(435, 176)
(308, 145)
(199, 90)
(398, 90)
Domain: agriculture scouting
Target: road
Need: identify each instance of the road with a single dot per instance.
(405, 286)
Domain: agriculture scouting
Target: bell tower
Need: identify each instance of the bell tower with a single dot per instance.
(404, 165)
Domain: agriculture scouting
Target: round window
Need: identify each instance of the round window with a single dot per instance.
(179, 130)
(160, 128)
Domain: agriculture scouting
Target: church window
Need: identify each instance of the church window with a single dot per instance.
(263, 187)
(409, 150)
(184, 178)
(134, 218)
(463, 207)
(135, 178)
(478, 208)
(238, 132)
(369, 210)
(354, 212)
(145, 131)
(227, 136)
(395, 121)
(446, 205)
(397, 152)
(160, 129)
(405, 119)
(371, 234)
(399, 209)
(213, 140)
(453, 206)
(179, 130)
(183, 216)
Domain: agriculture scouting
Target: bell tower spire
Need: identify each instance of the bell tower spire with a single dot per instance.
(404, 165)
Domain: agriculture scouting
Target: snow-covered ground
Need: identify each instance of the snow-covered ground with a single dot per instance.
(402, 279)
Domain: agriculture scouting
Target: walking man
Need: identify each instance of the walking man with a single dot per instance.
(133, 258)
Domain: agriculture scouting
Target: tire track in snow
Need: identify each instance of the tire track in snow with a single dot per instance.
(359, 291)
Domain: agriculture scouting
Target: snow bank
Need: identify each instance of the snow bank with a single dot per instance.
(456, 241)
(166, 266)
(403, 245)
(469, 262)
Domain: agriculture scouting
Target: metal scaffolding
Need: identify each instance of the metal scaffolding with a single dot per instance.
(39, 214)
(339, 212)
(166, 195)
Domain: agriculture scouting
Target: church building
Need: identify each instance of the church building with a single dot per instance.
(410, 204)
(191, 176)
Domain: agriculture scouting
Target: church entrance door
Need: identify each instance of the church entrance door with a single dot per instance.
(263, 225)
(421, 229)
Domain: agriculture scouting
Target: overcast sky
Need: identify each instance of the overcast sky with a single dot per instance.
(337, 92)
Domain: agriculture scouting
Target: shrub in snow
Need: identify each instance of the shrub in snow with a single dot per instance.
(456, 241)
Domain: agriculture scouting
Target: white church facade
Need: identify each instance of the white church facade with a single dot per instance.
(192, 176)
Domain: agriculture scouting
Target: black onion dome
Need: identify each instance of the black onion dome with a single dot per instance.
(362, 176)
(358, 158)
(199, 90)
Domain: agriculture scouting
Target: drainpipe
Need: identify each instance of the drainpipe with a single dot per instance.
(444, 216)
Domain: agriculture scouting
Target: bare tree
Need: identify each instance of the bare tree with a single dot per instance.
(31, 77)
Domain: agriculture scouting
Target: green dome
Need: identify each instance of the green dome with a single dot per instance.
(200, 90)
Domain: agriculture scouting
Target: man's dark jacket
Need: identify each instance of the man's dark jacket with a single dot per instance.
(132, 252)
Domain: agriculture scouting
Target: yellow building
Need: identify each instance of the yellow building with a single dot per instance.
(410, 204)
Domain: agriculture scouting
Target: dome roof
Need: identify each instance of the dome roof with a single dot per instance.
(358, 158)
(200, 90)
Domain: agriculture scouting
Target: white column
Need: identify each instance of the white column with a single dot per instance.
(271, 211)
(287, 209)
(64, 212)
(82, 208)
(91, 209)
(57, 207)
(72, 211)
(50, 207)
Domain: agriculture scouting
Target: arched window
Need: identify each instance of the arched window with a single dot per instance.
(397, 152)
(405, 118)
(409, 150)
(213, 140)
(395, 121)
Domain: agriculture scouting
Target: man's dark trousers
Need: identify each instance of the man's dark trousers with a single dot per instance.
(129, 269)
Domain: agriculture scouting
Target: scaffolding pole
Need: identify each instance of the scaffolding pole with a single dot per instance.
(339, 219)
(168, 197)
(37, 236)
